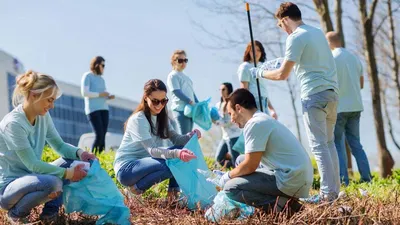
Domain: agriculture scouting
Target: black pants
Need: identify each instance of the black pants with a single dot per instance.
(99, 121)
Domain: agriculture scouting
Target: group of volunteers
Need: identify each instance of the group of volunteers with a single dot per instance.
(275, 165)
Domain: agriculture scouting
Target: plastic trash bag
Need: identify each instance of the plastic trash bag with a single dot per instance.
(96, 194)
(214, 114)
(201, 114)
(187, 111)
(239, 145)
(195, 188)
(224, 207)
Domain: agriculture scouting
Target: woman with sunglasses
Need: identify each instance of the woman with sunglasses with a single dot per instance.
(182, 92)
(140, 162)
(93, 89)
(248, 82)
(225, 156)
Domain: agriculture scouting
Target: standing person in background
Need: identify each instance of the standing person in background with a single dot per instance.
(230, 131)
(351, 81)
(182, 92)
(25, 180)
(308, 52)
(93, 89)
(250, 83)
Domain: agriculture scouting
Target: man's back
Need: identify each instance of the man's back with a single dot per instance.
(349, 71)
(315, 66)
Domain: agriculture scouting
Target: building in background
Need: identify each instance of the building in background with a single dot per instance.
(68, 113)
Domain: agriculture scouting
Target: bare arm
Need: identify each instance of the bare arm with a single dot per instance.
(248, 166)
(244, 84)
(362, 82)
(279, 74)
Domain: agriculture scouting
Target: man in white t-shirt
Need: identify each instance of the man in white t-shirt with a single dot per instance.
(351, 81)
(274, 165)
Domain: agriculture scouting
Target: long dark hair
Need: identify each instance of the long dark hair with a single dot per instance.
(247, 57)
(230, 90)
(161, 128)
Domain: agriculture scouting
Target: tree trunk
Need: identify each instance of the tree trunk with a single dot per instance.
(322, 8)
(339, 26)
(395, 69)
(386, 161)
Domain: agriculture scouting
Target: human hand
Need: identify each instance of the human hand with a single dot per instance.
(195, 131)
(86, 156)
(273, 114)
(256, 73)
(110, 97)
(186, 155)
(104, 94)
(76, 173)
(224, 179)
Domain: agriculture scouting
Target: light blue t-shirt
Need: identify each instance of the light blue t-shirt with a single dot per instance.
(283, 154)
(245, 76)
(138, 129)
(96, 84)
(17, 134)
(229, 130)
(315, 67)
(349, 71)
(179, 81)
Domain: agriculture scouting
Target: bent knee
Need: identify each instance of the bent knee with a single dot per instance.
(54, 195)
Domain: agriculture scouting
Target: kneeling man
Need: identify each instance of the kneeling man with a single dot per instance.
(275, 164)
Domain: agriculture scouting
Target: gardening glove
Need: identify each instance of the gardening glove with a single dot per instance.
(193, 132)
(186, 155)
(256, 73)
(224, 179)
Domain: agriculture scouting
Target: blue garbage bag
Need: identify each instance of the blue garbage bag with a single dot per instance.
(196, 190)
(96, 194)
(201, 114)
(239, 145)
(224, 207)
(214, 114)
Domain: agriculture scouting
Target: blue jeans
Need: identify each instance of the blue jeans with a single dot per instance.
(184, 124)
(319, 113)
(99, 121)
(144, 173)
(24, 193)
(348, 125)
(225, 146)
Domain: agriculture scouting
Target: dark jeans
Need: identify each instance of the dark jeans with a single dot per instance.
(99, 121)
(184, 123)
(224, 147)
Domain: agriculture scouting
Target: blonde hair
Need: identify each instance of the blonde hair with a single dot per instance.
(32, 82)
(175, 55)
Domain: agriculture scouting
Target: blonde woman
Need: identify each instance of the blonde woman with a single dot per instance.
(25, 180)
(182, 93)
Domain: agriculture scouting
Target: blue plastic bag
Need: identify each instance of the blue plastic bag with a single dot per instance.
(195, 188)
(96, 194)
(214, 114)
(239, 145)
(224, 207)
(201, 114)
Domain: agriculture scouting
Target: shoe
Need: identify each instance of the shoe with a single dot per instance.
(16, 220)
(318, 199)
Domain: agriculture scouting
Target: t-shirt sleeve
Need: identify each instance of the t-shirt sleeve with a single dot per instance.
(294, 48)
(139, 128)
(16, 138)
(173, 83)
(256, 136)
(244, 73)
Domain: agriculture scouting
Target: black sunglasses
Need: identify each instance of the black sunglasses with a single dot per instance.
(157, 102)
(103, 65)
(182, 60)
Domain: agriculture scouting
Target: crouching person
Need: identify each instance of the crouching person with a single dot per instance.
(275, 167)
(25, 180)
(140, 161)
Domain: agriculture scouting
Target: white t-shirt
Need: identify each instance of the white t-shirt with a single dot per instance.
(283, 154)
(179, 81)
(229, 129)
(244, 75)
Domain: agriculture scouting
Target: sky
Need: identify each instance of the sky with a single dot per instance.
(137, 39)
